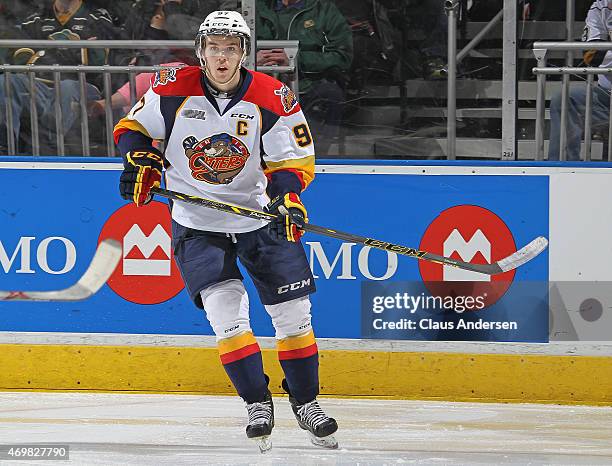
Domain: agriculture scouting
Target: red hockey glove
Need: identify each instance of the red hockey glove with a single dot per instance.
(292, 216)
(142, 171)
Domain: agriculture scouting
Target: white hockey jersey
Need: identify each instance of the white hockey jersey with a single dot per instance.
(598, 27)
(221, 155)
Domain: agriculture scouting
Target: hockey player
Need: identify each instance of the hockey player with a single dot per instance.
(239, 137)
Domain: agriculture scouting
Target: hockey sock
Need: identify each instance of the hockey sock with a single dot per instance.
(241, 359)
(299, 359)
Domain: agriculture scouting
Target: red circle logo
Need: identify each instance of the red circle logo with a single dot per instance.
(147, 273)
(472, 234)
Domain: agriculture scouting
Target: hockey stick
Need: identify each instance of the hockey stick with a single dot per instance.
(523, 255)
(100, 269)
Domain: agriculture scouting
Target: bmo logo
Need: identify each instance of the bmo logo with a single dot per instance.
(147, 255)
(147, 273)
(472, 234)
(477, 249)
(29, 251)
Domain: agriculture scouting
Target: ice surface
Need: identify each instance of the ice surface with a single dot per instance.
(105, 429)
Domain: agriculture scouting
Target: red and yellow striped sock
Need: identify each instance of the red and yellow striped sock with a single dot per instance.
(241, 359)
(299, 358)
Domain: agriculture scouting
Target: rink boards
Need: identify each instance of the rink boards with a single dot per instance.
(142, 333)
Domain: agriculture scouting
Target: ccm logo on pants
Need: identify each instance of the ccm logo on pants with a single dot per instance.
(293, 286)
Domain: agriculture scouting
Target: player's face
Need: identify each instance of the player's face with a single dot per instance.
(222, 55)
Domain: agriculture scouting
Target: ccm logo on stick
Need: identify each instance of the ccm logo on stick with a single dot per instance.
(293, 286)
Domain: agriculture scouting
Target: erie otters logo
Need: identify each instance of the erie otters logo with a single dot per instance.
(165, 76)
(217, 159)
(287, 98)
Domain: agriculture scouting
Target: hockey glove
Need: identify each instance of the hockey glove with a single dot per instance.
(292, 216)
(142, 171)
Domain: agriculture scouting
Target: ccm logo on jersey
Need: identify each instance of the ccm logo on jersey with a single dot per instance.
(165, 76)
(287, 98)
(242, 116)
(293, 286)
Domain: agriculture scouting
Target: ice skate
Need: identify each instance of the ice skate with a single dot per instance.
(320, 427)
(261, 422)
(312, 419)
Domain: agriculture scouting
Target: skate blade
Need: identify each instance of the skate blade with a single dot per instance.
(264, 443)
(325, 442)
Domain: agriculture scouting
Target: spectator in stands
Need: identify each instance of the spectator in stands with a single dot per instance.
(538, 10)
(15, 12)
(425, 26)
(11, 14)
(7, 29)
(598, 28)
(121, 99)
(326, 50)
(375, 42)
(69, 20)
(139, 20)
(56, 20)
(144, 20)
(162, 20)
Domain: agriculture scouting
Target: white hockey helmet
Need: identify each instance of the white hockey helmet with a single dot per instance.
(223, 23)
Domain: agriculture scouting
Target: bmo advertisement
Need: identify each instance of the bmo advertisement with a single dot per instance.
(55, 214)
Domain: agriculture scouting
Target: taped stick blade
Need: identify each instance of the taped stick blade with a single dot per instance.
(523, 255)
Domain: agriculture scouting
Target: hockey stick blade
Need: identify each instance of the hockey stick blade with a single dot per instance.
(520, 257)
(100, 269)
